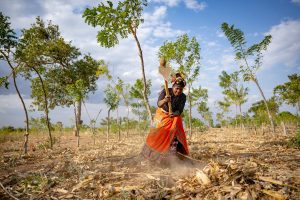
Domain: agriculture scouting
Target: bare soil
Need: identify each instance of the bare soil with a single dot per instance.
(223, 164)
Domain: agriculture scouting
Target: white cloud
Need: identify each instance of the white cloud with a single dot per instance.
(285, 45)
(296, 1)
(165, 31)
(190, 4)
(220, 34)
(170, 3)
(12, 101)
(212, 44)
(195, 5)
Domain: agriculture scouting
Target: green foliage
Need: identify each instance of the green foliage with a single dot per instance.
(7, 129)
(259, 112)
(197, 123)
(234, 91)
(4, 81)
(38, 124)
(123, 90)
(198, 95)
(288, 117)
(37, 182)
(289, 92)
(185, 53)
(237, 39)
(8, 39)
(47, 144)
(136, 94)
(295, 141)
(203, 109)
(115, 20)
(111, 98)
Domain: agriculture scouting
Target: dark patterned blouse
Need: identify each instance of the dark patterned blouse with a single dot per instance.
(176, 101)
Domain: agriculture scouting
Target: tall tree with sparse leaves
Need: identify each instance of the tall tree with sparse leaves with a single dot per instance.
(112, 101)
(117, 21)
(8, 42)
(123, 90)
(185, 53)
(234, 91)
(136, 94)
(237, 39)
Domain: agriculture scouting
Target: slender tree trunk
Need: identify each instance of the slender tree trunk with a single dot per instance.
(267, 107)
(143, 75)
(118, 123)
(190, 111)
(283, 128)
(78, 120)
(241, 117)
(298, 111)
(26, 135)
(26, 113)
(127, 133)
(235, 116)
(76, 125)
(46, 106)
(108, 123)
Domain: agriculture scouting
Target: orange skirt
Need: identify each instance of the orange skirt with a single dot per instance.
(161, 136)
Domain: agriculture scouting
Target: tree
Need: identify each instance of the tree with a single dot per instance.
(260, 115)
(123, 90)
(237, 40)
(203, 109)
(234, 91)
(185, 53)
(81, 80)
(136, 93)
(8, 42)
(120, 20)
(223, 106)
(40, 47)
(199, 98)
(289, 92)
(112, 101)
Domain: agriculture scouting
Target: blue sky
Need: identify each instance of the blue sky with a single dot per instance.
(166, 20)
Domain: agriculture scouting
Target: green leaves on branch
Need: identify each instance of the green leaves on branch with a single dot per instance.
(111, 98)
(234, 91)
(198, 95)
(4, 81)
(259, 111)
(136, 91)
(115, 20)
(237, 39)
(289, 91)
(8, 39)
(185, 53)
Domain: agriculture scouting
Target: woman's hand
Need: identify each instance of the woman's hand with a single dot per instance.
(167, 99)
(171, 115)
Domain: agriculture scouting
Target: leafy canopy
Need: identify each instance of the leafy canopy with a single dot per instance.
(290, 91)
(111, 98)
(237, 39)
(185, 53)
(233, 89)
(115, 20)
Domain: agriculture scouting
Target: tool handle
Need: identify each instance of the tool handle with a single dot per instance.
(168, 94)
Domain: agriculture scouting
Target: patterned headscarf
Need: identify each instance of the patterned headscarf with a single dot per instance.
(177, 80)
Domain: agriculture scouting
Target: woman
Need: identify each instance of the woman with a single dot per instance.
(167, 136)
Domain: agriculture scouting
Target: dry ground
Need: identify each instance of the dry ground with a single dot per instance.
(228, 164)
